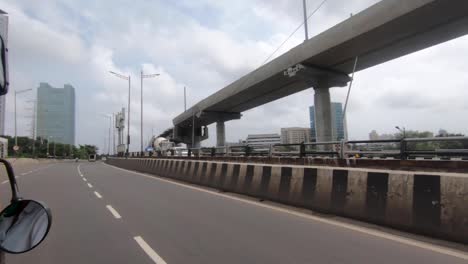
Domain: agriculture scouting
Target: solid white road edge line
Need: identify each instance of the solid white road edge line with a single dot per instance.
(149, 251)
(98, 195)
(364, 230)
(79, 171)
(113, 211)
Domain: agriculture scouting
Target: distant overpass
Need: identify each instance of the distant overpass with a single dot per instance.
(383, 32)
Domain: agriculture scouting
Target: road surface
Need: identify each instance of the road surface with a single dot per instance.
(102, 214)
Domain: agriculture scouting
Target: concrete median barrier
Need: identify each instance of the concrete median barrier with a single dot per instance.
(434, 204)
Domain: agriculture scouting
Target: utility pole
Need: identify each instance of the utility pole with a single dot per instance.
(128, 118)
(128, 78)
(34, 130)
(18, 92)
(141, 112)
(193, 131)
(306, 27)
(110, 116)
(54, 149)
(141, 128)
(185, 99)
(113, 134)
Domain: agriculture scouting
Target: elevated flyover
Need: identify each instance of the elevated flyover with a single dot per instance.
(385, 31)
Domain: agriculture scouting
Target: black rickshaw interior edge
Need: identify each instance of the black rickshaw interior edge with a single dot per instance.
(23, 223)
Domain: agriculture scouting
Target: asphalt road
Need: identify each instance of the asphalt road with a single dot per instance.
(135, 218)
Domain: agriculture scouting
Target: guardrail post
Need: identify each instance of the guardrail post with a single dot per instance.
(213, 152)
(270, 151)
(403, 155)
(189, 152)
(247, 151)
(302, 150)
(342, 150)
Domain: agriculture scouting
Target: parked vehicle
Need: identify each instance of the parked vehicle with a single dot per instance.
(92, 158)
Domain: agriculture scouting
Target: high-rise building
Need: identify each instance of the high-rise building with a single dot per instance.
(262, 140)
(313, 135)
(337, 121)
(339, 130)
(4, 34)
(56, 113)
(373, 135)
(295, 135)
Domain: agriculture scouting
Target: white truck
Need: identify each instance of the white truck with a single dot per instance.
(164, 147)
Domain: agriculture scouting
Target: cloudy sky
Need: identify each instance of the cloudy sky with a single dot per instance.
(205, 45)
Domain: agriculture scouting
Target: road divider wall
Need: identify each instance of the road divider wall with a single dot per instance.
(434, 204)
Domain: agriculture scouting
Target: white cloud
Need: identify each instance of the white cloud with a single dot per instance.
(206, 46)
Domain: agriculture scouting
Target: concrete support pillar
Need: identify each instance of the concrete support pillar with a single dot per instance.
(220, 134)
(196, 143)
(323, 115)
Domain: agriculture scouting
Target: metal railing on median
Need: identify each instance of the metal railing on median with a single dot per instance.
(405, 148)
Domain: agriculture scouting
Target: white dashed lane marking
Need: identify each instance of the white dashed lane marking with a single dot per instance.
(114, 212)
(149, 251)
(98, 195)
(364, 230)
(89, 185)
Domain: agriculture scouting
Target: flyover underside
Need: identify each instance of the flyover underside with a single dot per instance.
(432, 24)
(292, 80)
(295, 78)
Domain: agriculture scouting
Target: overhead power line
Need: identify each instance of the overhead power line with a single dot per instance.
(294, 32)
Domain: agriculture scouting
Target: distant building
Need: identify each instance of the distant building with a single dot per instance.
(386, 136)
(235, 144)
(3, 147)
(373, 135)
(313, 135)
(339, 129)
(56, 113)
(4, 33)
(295, 135)
(261, 140)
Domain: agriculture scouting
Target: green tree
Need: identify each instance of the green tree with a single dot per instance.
(39, 150)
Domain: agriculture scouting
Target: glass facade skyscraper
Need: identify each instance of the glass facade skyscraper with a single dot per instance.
(337, 121)
(338, 126)
(313, 135)
(56, 113)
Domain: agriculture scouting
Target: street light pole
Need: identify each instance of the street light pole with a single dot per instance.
(141, 104)
(128, 78)
(306, 27)
(18, 92)
(33, 127)
(110, 116)
(185, 99)
(48, 141)
(403, 131)
(128, 118)
(110, 126)
(113, 134)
